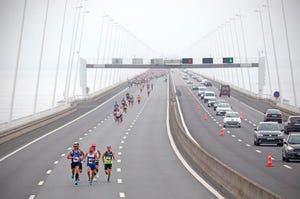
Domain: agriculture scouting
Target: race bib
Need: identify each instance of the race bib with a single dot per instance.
(75, 159)
(91, 160)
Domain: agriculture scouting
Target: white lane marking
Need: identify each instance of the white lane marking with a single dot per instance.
(119, 170)
(134, 121)
(254, 124)
(250, 122)
(248, 145)
(122, 142)
(124, 137)
(99, 124)
(258, 151)
(286, 166)
(240, 140)
(119, 181)
(62, 155)
(228, 132)
(245, 119)
(31, 197)
(102, 121)
(48, 172)
(61, 127)
(90, 130)
(119, 153)
(126, 133)
(122, 195)
(56, 162)
(215, 119)
(95, 127)
(85, 134)
(80, 138)
(105, 119)
(217, 122)
(130, 126)
(119, 160)
(40, 183)
(220, 125)
(111, 114)
(233, 136)
(120, 147)
(128, 129)
(272, 158)
(186, 165)
(69, 148)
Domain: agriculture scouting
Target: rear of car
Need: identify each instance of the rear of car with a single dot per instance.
(273, 115)
(291, 147)
(223, 108)
(268, 133)
(211, 102)
(224, 90)
(292, 124)
(201, 90)
(217, 102)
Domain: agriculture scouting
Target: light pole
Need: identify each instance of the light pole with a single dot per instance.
(234, 49)
(274, 48)
(289, 53)
(59, 53)
(40, 59)
(265, 48)
(12, 102)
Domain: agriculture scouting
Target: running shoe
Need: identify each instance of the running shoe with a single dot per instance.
(72, 176)
(76, 182)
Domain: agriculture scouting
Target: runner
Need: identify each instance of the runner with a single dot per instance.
(139, 99)
(131, 100)
(151, 86)
(107, 159)
(91, 164)
(76, 156)
(98, 156)
(148, 91)
(118, 116)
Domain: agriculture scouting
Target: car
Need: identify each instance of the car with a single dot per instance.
(208, 83)
(291, 147)
(273, 115)
(185, 77)
(199, 79)
(224, 90)
(217, 102)
(201, 90)
(189, 82)
(232, 119)
(211, 102)
(223, 108)
(194, 87)
(203, 81)
(268, 133)
(292, 124)
(208, 95)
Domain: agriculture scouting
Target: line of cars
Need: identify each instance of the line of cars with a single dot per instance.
(270, 131)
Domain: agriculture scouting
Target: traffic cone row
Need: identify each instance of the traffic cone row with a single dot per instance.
(198, 107)
(205, 117)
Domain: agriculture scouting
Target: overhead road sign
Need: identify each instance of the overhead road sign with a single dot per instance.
(207, 60)
(187, 61)
(174, 65)
(227, 60)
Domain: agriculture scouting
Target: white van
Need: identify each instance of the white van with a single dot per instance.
(209, 95)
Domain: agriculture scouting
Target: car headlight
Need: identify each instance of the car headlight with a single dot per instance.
(289, 148)
(260, 134)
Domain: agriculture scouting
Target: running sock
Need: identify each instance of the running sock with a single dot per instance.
(77, 176)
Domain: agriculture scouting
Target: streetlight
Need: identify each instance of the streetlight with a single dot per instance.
(265, 47)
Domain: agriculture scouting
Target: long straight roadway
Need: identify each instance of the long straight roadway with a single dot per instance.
(236, 148)
(146, 165)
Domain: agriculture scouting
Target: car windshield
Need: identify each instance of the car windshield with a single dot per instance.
(224, 88)
(232, 115)
(225, 105)
(220, 101)
(268, 126)
(294, 139)
(209, 94)
(295, 120)
(202, 89)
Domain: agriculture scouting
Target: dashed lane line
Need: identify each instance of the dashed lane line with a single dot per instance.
(258, 151)
(119, 181)
(118, 170)
(31, 197)
(286, 166)
(62, 155)
(40, 183)
(56, 162)
(122, 195)
(248, 145)
(119, 153)
(48, 172)
(119, 160)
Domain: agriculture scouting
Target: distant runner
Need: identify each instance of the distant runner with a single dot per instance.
(139, 99)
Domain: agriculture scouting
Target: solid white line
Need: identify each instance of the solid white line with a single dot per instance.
(61, 127)
(40, 183)
(119, 170)
(187, 166)
(31, 197)
(258, 151)
(119, 181)
(286, 166)
(56, 162)
(48, 172)
(122, 195)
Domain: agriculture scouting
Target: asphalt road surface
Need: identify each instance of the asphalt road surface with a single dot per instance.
(146, 166)
(236, 148)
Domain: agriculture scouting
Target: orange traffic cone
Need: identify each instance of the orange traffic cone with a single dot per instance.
(205, 117)
(269, 161)
(198, 107)
(193, 99)
(241, 114)
(222, 132)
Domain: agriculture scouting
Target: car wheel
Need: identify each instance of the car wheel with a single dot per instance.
(240, 126)
(224, 126)
(286, 158)
(283, 158)
(255, 142)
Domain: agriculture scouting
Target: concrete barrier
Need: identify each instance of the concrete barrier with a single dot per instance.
(224, 178)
